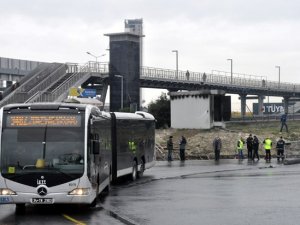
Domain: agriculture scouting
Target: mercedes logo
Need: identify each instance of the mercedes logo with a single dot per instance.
(42, 191)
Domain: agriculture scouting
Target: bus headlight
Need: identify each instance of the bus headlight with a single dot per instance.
(6, 191)
(80, 191)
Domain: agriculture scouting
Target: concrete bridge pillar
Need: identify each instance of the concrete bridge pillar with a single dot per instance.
(260, 105)
(243, 105)
(286, 104)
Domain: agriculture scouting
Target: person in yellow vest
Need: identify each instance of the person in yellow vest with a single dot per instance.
(240, 146)
(132, 146)
(268, 146)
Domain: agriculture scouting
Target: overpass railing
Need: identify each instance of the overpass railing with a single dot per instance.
(238, 80)
(78, 72)
(221, 80)
(198, 77)
(90, 66)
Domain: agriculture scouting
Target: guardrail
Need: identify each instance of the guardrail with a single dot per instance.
(79, 72)
(238, 80)
(172, 75)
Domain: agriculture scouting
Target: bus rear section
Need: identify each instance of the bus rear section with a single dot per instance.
(50, 154)
(133, 144)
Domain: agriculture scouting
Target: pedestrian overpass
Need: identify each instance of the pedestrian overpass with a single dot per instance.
(50, 82)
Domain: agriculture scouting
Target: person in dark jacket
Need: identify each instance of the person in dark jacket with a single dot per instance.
(170, 148)
(283, 123)
(182, 145)
(249, 142)
(217, 145)
(280, 149)
(187, 74)
(255, 148)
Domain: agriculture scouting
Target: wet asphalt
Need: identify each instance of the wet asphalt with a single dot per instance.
(191, 192)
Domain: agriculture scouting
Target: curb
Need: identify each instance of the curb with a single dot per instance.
(291, 161)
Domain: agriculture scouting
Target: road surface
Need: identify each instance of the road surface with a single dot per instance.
(194, 192)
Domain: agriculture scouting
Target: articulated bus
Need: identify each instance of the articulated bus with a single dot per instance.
(64, 153)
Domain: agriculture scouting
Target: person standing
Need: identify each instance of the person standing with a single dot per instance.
(255, 148)
(204, 77)
(249, 142)
(182, 145)
(280, 149)
(283, 122)
(268, 145)
(170, 148)
(240, 146)
(217, 145)
(187, 74)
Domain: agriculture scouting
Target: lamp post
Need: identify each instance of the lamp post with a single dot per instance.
(278, 75)
(120, 76)
(176, 52)
(96, 57)
(230, 70)
(96, 65)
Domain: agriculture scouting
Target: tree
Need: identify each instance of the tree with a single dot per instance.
(161, 110)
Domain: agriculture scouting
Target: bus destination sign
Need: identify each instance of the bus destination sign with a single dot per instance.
(43, 120)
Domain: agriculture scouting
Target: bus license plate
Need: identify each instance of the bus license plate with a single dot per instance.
(42, 201)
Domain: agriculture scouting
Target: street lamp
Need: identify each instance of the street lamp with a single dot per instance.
(176, 52)
(96, 57)
(278, 75)
(120, 76)
(230, 70)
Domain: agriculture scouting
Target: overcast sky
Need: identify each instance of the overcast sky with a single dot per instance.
(257, 35)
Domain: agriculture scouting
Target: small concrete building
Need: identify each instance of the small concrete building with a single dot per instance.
(202, 109)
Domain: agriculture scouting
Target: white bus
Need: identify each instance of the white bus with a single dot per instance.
(55, 153)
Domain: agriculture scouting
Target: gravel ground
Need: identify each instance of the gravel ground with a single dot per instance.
(200, 142)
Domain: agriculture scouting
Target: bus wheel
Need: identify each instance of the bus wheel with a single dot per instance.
(20, 208)
(142, 169)
(134, 171)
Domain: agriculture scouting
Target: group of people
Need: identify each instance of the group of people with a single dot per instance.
(182, 145)
(252, 144)
(187, 74)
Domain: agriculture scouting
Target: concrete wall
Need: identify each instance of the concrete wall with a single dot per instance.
(191, 112)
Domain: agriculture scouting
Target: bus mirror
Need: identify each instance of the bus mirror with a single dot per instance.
(96, 148)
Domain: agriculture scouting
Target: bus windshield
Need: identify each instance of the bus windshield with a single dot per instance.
(49, 147)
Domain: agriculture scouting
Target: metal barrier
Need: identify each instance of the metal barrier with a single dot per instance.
(80, 72)
(237, 81)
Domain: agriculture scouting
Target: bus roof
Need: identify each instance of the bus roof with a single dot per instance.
(45, 106)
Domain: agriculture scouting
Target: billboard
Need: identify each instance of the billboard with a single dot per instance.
(84, 93)
(269, 108)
